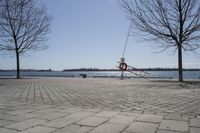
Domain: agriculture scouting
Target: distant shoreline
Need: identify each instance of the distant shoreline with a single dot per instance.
(171, 74)
(95, 69)
(141, 69)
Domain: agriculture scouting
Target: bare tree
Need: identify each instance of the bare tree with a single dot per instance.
(174, 23)
(23, 27)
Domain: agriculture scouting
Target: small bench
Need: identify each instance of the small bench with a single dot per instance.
(83, 75)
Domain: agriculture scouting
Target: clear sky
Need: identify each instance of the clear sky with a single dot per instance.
(92, 33)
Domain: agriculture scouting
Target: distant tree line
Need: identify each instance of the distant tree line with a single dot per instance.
(142, 69)
(28, 70)
(170, 69)
(98, 69)
(90, 69)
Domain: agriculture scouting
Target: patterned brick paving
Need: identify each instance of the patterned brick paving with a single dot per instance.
(98, 105)
(114, 94)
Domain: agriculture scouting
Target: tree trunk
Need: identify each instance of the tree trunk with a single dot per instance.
(180, 66)
(18, 64)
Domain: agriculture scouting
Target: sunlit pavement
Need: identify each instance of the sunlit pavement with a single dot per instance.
(94, 105)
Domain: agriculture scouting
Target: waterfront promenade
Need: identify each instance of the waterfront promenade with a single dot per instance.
(95, 105)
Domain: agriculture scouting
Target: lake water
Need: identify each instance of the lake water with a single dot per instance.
(153, 74)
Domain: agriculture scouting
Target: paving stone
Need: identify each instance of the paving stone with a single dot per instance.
(123, 119)
(4, 111)
(174, 125)
(176, 116)
(194, 130)
(71, 110)
(163, 113)
(92, 110)
(3, 116)
(46, 111)
(22, 117)
(53, 116)
(5, 122)
(18, 112)
(129, 114)
(126, 132)
(63, 122)
(74, 129)
(78, 116)
(25, 124)
(167, 131)
(109, 128)
(43, 107)
(195, 122)
(59, 123)
(39, 129)
(150, 118)
(142, 127)
(92, 121)
(149, 112)
(3, 130)
(107, 113)
(137, 111)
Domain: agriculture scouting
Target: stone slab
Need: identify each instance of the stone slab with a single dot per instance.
(194, 130)
(3, 130)
(25, 124)
(46, 111)
(6, 122)
(109, 128)
(21, 111)
(174, 125)
(71, 110)
(142, 127)
(22, 117)
(195, 122)
(53, 115)
(107, 113)
(39, 129)
(92, 110)
(168, 131)
(123, 119)
(92, 121)
(74, 129)
(176, 116)
(3, 116)
(59, 123)
(130, 114)
(78, 116)
(150, 118)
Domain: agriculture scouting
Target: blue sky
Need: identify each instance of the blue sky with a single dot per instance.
(92, 33)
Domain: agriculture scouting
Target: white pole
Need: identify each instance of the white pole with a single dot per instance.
(123, 59)
(122, 71)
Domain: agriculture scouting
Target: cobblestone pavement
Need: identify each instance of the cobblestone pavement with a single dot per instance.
(75, 105)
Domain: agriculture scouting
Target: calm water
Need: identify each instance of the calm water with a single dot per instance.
(164, 74)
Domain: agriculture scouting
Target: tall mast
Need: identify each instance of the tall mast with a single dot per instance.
(127, 37)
